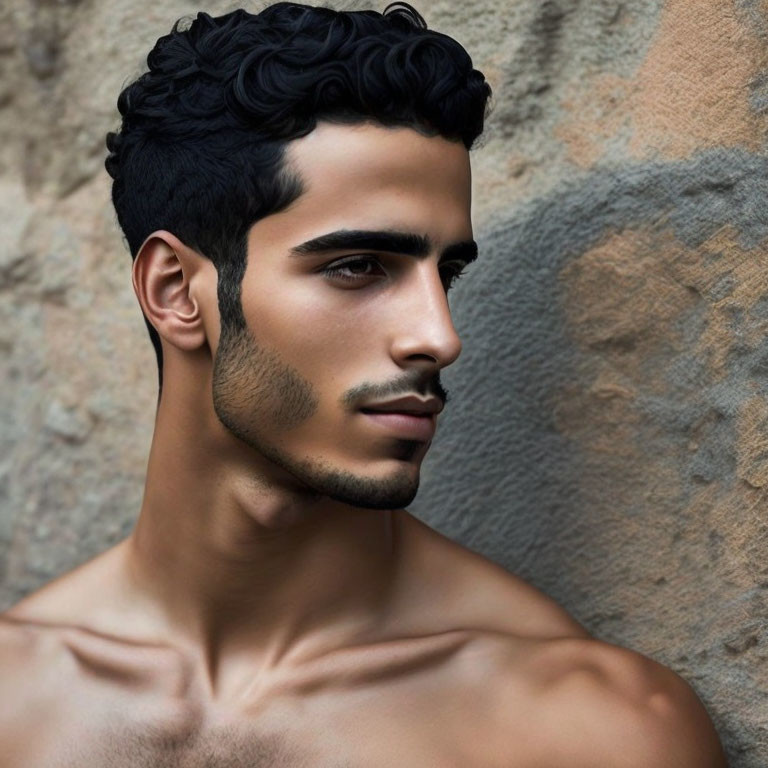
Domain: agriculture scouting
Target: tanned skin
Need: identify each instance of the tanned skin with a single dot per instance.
(276, 605)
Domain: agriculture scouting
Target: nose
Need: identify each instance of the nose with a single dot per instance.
(423, 323)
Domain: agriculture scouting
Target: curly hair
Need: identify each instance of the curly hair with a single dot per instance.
(201, 144)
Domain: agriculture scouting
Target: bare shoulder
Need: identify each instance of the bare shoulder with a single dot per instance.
(599, 704)
(30, 672)
(61, 681)
(24, 651)
(18, 648)
(476, 592)
(75, 632)
(555, 696)
(36, 659)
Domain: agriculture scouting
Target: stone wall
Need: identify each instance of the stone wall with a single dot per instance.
(608, 435)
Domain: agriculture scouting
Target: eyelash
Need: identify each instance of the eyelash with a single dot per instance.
(336, 271)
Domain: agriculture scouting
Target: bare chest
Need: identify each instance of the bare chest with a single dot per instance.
(365, 742)
(415, 705)
(379, 726)
(128, 748)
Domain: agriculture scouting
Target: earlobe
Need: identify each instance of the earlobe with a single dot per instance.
(162, 283)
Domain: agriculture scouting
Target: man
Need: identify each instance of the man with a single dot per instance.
(294, 187)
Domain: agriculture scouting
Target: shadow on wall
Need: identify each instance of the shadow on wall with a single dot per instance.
(609, 436)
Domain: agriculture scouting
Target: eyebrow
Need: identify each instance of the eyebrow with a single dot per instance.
(384, 240)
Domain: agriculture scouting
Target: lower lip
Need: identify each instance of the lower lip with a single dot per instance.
(407, 424)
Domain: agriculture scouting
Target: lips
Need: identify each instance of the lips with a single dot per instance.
(416, 426)
(402, 411)
(406, 404)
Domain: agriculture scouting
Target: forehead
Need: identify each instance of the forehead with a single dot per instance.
(367, 176)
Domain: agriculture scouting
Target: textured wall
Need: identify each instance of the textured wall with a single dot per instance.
(608, 436)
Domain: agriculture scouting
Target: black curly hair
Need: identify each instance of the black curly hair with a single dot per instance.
(200, 148)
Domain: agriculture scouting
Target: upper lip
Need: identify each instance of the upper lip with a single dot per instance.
(408, 404)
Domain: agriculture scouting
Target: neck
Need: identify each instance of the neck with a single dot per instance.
(234, 555)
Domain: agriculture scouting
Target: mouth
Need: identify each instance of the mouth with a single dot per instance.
(403, 412)
(413, 425)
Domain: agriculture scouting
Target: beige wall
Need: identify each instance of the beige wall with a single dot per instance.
(608, 438)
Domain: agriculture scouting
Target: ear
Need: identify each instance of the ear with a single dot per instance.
(166, 278)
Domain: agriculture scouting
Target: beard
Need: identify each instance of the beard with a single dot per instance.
(257, 396)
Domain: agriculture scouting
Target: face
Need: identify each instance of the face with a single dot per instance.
(352, 319)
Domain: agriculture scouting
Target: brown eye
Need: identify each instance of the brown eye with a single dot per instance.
(351, 270)
(358, 269)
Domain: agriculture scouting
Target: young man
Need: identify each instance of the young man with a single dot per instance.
(294, 187)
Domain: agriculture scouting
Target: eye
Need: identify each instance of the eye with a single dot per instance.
(342, 269)
(356, 270)
(454, 273)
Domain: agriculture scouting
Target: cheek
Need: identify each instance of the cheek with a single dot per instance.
(327, 341)
(316, 329)
(318, 323)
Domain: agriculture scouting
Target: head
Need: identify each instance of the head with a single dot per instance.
(250, 139)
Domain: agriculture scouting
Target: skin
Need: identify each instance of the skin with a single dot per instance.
(276, 604)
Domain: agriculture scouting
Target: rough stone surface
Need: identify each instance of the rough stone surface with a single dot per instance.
(608, 435)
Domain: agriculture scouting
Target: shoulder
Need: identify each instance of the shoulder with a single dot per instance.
(35, 659)
(24, 650)
(600, 704)
(474, 591)
(31, 669)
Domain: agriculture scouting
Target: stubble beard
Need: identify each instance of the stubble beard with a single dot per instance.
(255, 394)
